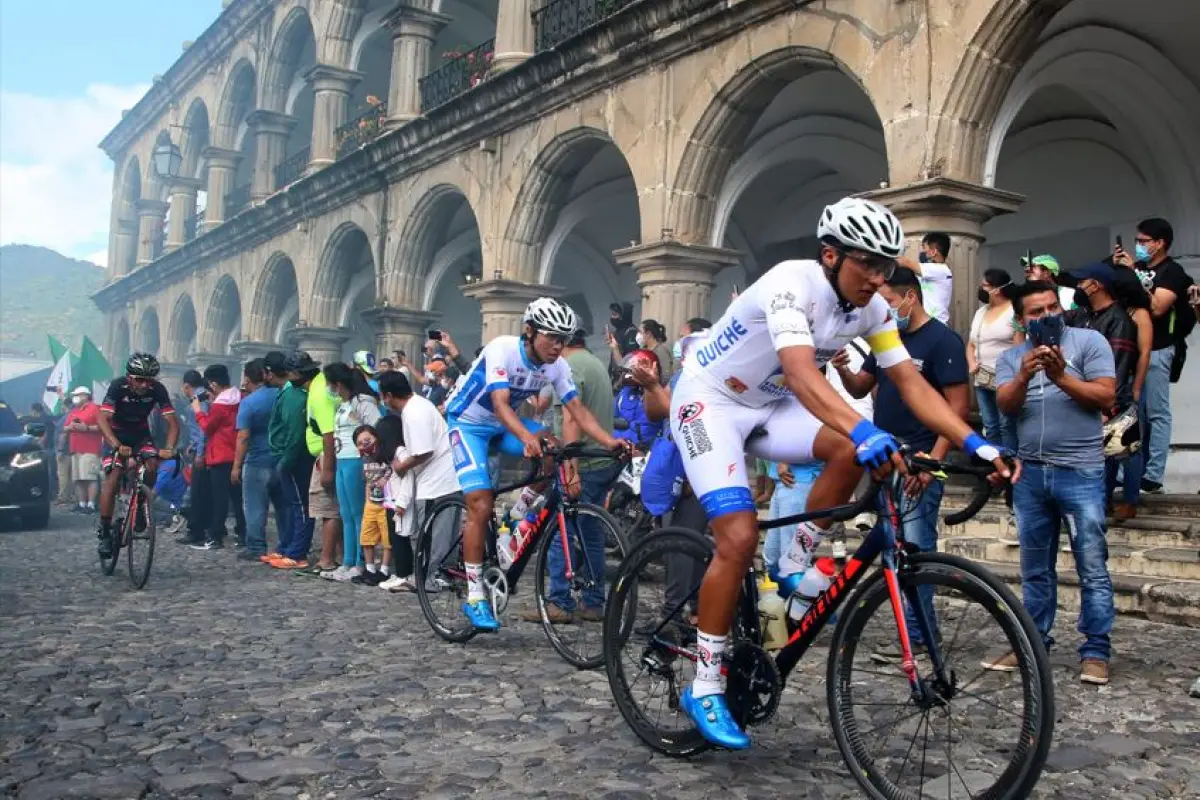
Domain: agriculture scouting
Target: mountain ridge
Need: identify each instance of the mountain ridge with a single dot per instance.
(44, 292)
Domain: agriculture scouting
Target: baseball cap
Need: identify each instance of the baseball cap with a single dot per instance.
(365, 361)
(81, 390)
(276, 362)
(302, 362)
(1046, 261)
(1103, 273)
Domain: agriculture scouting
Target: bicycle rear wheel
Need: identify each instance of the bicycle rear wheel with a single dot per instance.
(140, 544)
(439, 572)
(979, 733)
(649, 637)
(589, 528)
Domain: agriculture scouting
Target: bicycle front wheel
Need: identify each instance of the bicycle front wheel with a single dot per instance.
(439, 571)
(973, 732)
(589, 529)
(139, 537)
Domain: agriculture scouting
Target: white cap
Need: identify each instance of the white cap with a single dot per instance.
(78, 390)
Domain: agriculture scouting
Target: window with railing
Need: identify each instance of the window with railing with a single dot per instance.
(461, 72)
(193, 226)
(292, 168)
(560, 20)
(237, 199)
(363, 128)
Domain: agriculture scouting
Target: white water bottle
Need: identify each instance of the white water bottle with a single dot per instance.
(816, 580)
(504, 547)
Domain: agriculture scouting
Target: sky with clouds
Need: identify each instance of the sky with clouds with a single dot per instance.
(67, 70)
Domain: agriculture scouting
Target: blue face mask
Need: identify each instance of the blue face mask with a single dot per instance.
(1141, 252)
(902, 323)
(923, 257)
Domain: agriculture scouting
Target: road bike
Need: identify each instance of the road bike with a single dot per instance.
(133, 523)
(579, 575)
(915, 662)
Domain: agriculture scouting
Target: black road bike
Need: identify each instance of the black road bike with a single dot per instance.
(133, 523)
(913, 708)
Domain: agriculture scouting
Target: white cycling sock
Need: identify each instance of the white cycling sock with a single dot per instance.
(800, 552)
(708, 667)
(474, 587)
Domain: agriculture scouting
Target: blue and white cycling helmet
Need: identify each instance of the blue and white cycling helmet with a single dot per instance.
(862, 225)
(549, 315)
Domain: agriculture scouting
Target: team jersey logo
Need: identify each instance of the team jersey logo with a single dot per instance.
(501, 372)
(690, 412)
(736, 386)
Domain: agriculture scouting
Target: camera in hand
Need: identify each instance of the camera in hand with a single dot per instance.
(435, 335)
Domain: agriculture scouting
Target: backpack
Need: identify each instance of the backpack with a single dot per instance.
(1183, 322)
(663, 476)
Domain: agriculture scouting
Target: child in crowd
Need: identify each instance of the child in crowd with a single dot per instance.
(400, 499)
(373, 532)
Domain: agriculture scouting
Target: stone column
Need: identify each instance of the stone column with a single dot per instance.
(515, 34)
(245, 350)
(503, 304)
(171, 375)
(399, 329)
(413, 33)
(183, 208)
(676, 279)
(331, 93)
(203, 359)
(150, 223)
(959, 210)
(271, 132)
(323, 344)
(222, 167)
(127, 231)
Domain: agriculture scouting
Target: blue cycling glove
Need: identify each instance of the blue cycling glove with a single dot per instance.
(872, 447)
(979, 447)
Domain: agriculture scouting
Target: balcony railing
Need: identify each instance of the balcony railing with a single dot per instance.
(461, 72)
(193, 226)
(291, 169)
(236, 200)
(560, 20)
(362, 129)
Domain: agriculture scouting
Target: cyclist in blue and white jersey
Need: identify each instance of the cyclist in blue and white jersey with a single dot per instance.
(482, 413)
(761, 369)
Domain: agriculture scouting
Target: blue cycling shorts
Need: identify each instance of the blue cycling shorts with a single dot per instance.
(470, 444)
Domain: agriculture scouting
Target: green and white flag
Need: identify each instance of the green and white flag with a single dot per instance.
(60, 378)
(94, 371)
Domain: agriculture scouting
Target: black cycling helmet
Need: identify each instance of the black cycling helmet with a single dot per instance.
(142, 365)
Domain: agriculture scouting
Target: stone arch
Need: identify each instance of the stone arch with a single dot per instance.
(347, 253)
(197, 135)
(120, 343)
(543, 193)
(182, 330)
(238, 98)
(148, 339)
(223, 317)
(275, 299)
(336, 29)
(722, 130)
(295, 34)
(418, 271)
(125, 218)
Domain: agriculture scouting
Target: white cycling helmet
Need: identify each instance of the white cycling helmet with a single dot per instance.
(549, 315)
(863, 225)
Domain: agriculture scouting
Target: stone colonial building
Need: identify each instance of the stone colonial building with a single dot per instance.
(356, 171)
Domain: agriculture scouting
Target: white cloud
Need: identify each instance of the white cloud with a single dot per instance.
(55, 182)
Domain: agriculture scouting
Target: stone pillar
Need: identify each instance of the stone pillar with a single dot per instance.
(245, 350)
(183, 208)
(203, 359)
(150, 223)
(271, 132)
(676, 279)
(323, 344)
(515, 34)
(399, 329)
(331, 94)
(959, 210)
(222, 167)
(127, 231)
(413, 33)
(171, 376)
(503, 304)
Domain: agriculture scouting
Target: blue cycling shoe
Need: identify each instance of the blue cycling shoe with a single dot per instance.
(480, 615)
(714, 721)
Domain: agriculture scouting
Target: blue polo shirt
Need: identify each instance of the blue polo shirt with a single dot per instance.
(254, 415)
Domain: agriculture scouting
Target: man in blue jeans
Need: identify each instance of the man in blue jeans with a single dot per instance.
(939, 354)
(1057, 383)
(254, 466)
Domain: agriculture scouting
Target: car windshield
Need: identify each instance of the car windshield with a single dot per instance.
(9, 426)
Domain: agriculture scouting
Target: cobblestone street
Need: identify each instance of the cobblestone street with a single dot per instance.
(228, 679)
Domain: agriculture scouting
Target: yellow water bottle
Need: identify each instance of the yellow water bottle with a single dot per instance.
(772, 611)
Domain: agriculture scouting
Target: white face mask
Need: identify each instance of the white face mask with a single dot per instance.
(641, 339)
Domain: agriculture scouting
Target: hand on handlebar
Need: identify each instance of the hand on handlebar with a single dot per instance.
(124, 451)
(533, 446)
(167, 455)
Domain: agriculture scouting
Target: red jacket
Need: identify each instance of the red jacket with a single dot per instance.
(219, 424)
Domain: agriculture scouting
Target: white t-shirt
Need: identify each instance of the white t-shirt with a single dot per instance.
(425, 432)
(937, 285)
(399, 496)
(359, 410)
(792, 305)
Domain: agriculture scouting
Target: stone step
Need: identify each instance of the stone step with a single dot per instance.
(1165, 563)
(1183, 506)
(1172, 602)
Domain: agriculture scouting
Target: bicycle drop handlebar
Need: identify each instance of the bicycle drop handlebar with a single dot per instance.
(567, 452)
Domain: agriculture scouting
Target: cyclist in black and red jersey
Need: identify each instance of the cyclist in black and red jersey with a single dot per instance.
(125, 426)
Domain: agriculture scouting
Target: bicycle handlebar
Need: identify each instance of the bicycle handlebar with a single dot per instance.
(981, 490)
(567, 452)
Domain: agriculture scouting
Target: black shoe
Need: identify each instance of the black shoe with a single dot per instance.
(1151, 487)
(246, 555)
(367, 578)
(190, 539)
(104, 543)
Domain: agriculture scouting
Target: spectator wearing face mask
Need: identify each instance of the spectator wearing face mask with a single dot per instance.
(992, 333)
(621, 335)
(435, 389)
(630, 404)
(937, 281)
(1045, 269)
(653, 337)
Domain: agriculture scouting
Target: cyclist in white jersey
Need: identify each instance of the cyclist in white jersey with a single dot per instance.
(761, 369)
(481, 413)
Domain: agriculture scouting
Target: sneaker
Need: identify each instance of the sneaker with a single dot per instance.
(1005, 663)
(104, 543)
(344, 574)
(1093, 671)
(479, 614)
(366, 578)
(589, 614)
(714, 721)
(283, 562)
(209, 544)
(335, 574)
(177, 523)
(1151, 487)
(392, 580)
(556, 613)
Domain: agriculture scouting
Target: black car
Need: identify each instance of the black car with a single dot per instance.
(24, 472)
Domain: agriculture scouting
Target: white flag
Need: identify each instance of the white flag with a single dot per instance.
(60, 379)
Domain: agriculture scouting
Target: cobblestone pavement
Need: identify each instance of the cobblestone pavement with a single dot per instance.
(223, 678)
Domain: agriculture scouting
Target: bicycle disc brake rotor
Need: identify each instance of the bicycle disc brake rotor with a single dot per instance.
(495, 583)
(754, 686)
